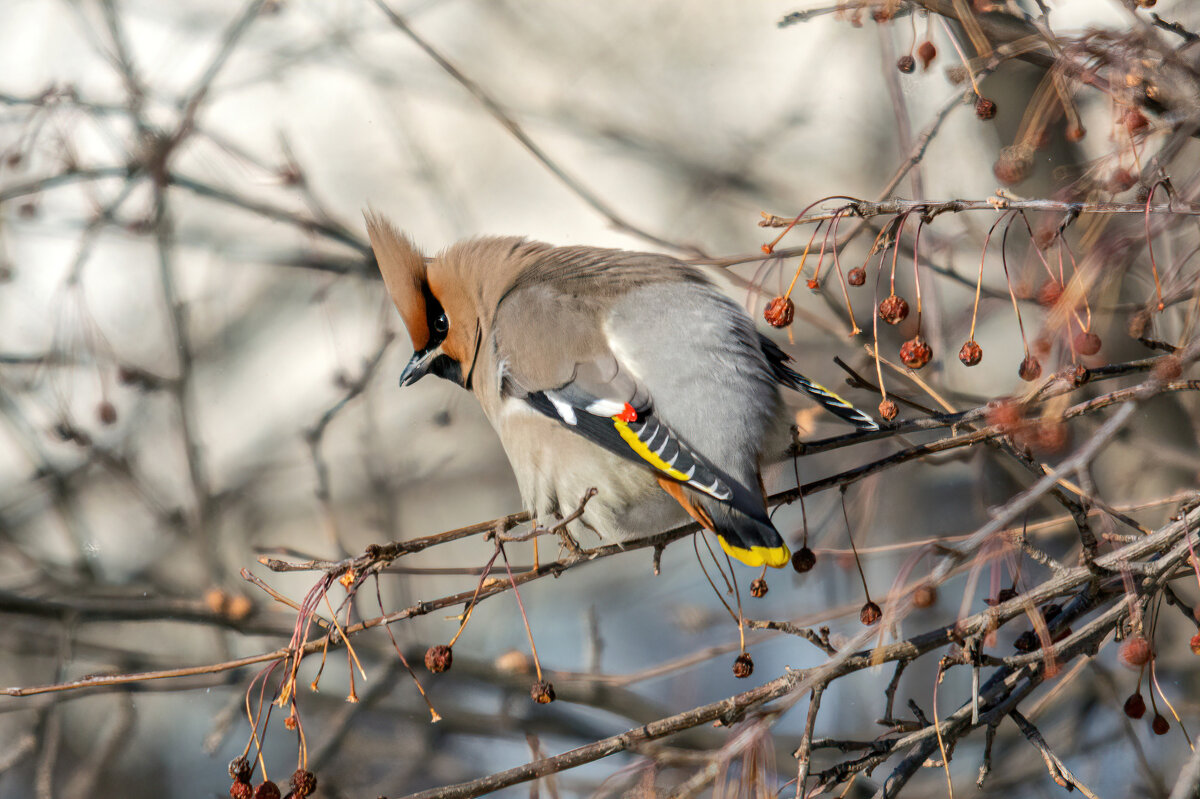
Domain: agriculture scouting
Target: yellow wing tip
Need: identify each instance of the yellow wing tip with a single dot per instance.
(775, 557)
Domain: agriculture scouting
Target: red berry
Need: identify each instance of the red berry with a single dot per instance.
(1195, 644)
(1160, 725)
(985, 108)
(1087, 343)
(813, 284)
(888, 410)
(906, 64)
(1135, 652)
(1135, 120)
(268, 790)
(1013, 165)
(971, 353)
(759, 588)
(439, 658)
(856, 276)
(241, 790)
(542, 692)
(1049, 293)
(1030, 369)
(893, 309)
(780, 312)
(926, 52)
(924, 596)
(870, 614)
(304, 783)
(743, 667)
(803, 560)
(1005, 414)
(1135, 706)
(915, 352)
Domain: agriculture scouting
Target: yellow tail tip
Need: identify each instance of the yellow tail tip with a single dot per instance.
(775, 557)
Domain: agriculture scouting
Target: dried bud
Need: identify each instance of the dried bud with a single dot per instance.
(1030, 369)
(803, 560)
(1160, 725)
(985, 108)
(971, 353)
(780, 312)
(542, 692)
(304, 783)
(915, 352)
(1135, 652)
(1087, 343)
(906, 64)
(241, 790)
(1076, 133)
(267, 790)
(924, 596)
(1049, 293)
(856, 276)
(1167, 368)
(1135, 120)
(759, 588)
(888, 410)
(1013, 165)
(1135, 706)
(743, 667)
(106, 412)
(926, 52)
(870, 614)
(893, 309)
(439, 658)
(239, 769)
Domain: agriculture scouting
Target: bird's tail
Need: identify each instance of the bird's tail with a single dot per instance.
(778, 360)
(752, 539)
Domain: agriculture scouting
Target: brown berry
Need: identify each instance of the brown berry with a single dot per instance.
(870, 614)
(893, 309)
(743, 667)
(1049, 293)
(888, 410)
(915, 352)
(439, 658)
(1076, 133)
(1147, 3)
(971, 353)
(1087, 343)
(856, 276)
(1135, 120)
(1167, 368)
(1030, 369)
(1013, 165)
(926, 52)
(1135, 652)
(267, 790)
(803, 560)
(1160, 725)
(906, 64)
(759, 588)
(106, 412)
(1005, 414)
(304, 783)
(1049, 437)
(924, 596)
(542, 692)
(239, 769)
(780, 311)
(985, 108)
(241, 790)
(1135, 706)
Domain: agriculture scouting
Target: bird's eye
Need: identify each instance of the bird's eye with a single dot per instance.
(442, 324)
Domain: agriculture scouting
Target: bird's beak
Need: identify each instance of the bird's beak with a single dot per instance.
(419, 366)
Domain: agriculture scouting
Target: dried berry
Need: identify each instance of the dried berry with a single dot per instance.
(803, 560)
(813, 284)
(971, 353)
(1160, 725)
(1027, 642)
(985, 108)
(856, 276)
(1121, 180)
(870, 614)
(1147, 3)
(239, 769)
(743, 667)
(906, 64)
(780, 311)
(888, 410)
(1006, 415)
(542, 692)
(1135, 120)
(1135, 652)
(439, 658)
(1030, 369)
(106, 412)
(915, 352)
(893, 309)
(926, 52)
(1049, 293)
(1135, 706)
(241, 790)
(1087, 343)
(267, 790)
(304, 783)
(1049, 437)
(1076, 133)
(1013, 165)
(924, 596)
(758, 588)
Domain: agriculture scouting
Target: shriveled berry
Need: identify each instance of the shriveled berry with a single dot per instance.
(971, 353)
(926, 52)
(803, 560)
(542, 692)
(856, 276)
(241, 790)
(813, 284)
(924, 596)
(893, 309)
(759, 588)
(870, 614)
(1135, 706)
(1087, 343)
(239, 769)
(1160, 725)
(1013, 165)
(267, 790)
(915, 352)
(304, 783)
(906, 64)
(1076, 133)
(106, 412)
(1030, 369)
(985, 108)
(888, 410)
(743, 667)
(1135, 652)
(1049, 293)
(780, 311)
(439, 658)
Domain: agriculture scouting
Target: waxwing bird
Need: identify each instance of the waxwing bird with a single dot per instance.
(627, 372)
